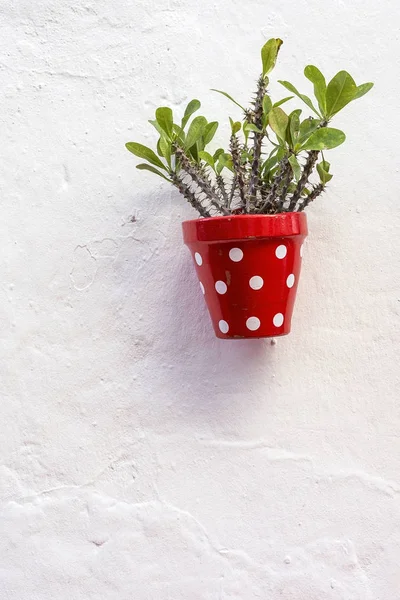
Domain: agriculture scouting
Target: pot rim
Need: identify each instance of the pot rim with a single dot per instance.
(238, 227)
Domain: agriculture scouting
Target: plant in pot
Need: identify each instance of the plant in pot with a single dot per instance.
(247, 244)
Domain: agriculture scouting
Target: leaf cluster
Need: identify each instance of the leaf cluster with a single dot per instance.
(272, 155)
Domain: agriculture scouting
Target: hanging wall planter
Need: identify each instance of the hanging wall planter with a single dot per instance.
(248, 268)
(247, 247)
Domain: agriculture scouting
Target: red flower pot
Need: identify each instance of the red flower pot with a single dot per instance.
(248, 267)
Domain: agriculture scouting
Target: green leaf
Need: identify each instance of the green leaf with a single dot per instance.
(146, 167)
(207, 158)
(315, 76)
(156, 125)
(210, 131)
(307, 127)
(305, 99)
(224, 160)
(246, 131)
(294, 163)
(283, 101)
(269, 53)
(236, 126)
(219, 167)
(324, 139)
(200, 145)
(294, 127)
(218, 153)
(251, 127)
(179, 133)
(146, 153)
(323, 171)
(165, 146)
(248, 127)
(266, 104)
(195, 131)
(272, 160)
(194, 152)
(363, 89)
(190, 109)
(229, 163)
(165, 119)
(340, 91)
(278, 121)
(229, 97)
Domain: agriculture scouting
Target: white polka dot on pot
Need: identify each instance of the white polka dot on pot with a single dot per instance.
(281, 251)
(223, 326)
(278, 319)
(198, 258)
(301, 250)
(236, 254)
(290, 280)
(256, 282)
(202, 288)
(253, 323)
(221, 287)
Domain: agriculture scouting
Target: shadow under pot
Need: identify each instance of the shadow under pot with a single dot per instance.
(248, 268)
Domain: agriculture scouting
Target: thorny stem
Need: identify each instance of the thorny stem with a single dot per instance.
(232, 190)
(285, 187)
(221, 186)
(279, 178)
(257, 142)
(201, 179)
(307, 170)
(267, 205)
(249, 114)
(264, 189)
(316, 191)
(238, 167)
(190, 196)
(256, 195)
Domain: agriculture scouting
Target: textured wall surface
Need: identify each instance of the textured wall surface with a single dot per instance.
(141, 458)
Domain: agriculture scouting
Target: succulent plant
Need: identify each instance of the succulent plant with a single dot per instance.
(272, 156)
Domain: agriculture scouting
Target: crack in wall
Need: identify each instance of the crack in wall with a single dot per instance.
(373, 481)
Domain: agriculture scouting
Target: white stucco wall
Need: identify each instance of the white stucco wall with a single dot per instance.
(142, 458)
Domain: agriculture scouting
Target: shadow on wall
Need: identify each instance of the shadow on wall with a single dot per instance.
(188, 364)
(173, 366)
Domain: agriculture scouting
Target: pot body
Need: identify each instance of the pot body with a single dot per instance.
(248, 268)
